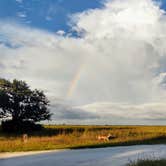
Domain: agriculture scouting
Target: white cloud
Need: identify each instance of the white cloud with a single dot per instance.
(60, 32)
(19, 1)
(149, 112)
(21, 14)
(118, 58)
(111, 113)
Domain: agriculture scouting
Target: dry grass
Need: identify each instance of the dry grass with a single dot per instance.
(57, 137)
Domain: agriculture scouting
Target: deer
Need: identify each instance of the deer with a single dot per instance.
(24, 138)
(105, 138)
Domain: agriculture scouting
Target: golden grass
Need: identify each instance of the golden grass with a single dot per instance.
(58, 137)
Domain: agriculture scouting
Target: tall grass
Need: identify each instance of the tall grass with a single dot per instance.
(148, 162)
(57, 137)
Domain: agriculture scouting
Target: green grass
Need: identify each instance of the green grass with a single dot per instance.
(148, 162)
(73, 137)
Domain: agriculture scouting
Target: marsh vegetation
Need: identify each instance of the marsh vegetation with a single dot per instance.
(60, 137)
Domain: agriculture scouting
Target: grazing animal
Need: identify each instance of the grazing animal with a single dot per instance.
(24, 138)
(105, 138)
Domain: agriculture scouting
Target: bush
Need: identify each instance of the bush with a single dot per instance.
(21, 126)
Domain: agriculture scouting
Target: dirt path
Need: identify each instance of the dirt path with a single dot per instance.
(5, 155)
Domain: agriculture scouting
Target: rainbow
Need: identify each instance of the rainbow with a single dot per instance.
(74, 82)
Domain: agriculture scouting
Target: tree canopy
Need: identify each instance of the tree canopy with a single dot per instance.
(20, 103)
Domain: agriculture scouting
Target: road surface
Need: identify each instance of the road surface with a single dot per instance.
(114, 156)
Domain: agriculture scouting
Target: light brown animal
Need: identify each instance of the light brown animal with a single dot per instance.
(105, 138)
(24, 138)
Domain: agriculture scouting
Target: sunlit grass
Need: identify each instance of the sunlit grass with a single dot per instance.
(57, 137)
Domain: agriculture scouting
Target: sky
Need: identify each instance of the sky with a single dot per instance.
(99, 62)
(50, 15)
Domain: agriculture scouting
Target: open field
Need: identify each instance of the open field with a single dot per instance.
(61, 137)
(148, 162)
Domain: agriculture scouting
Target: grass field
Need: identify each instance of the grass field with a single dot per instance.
(59, 137)
(148, 163)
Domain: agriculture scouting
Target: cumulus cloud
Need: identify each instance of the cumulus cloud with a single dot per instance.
(119, 58)
(128, 38)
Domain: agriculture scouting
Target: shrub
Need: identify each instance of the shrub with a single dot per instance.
(23, 126)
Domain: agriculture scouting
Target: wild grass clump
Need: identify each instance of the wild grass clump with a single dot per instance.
(148, 162)
(57, 137)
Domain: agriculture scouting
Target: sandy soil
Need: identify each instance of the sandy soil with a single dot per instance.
(5, 155)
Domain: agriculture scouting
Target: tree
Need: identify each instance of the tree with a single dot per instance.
(21, 104)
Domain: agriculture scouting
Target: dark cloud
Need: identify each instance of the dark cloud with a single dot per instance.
(62, 111)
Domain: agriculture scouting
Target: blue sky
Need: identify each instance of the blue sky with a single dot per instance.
(51, 15)
(114, 73)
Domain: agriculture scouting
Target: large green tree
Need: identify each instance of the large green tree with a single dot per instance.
(21, 104)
